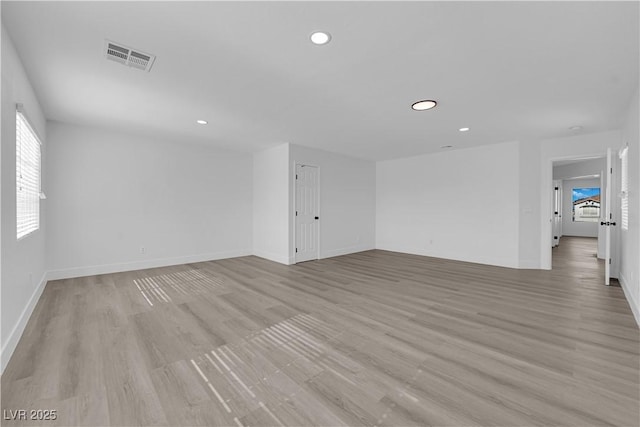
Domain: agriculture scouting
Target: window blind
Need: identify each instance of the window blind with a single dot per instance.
(27, 177)
(624, 189)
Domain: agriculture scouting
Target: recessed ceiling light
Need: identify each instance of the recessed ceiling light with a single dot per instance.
(447, 146)
(427, 104)
(575, 128)
(463, 129)
(320, 37)
(201, 122)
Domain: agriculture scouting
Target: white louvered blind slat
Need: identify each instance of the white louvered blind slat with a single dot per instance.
(27, 177)
(624, 189)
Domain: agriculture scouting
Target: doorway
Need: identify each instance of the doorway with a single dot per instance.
(307, 213)
(583, 208)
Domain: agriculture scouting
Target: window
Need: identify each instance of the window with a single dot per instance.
(624, 188)
(27, 176)
(586, 204)
(590, 211)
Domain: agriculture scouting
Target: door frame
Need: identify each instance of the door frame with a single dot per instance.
(546, 208)
(608, 213)
(556, 225)
(294, 205)
(547, 217)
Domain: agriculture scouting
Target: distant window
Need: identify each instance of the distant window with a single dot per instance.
(589, 211)
(624, 189)
(27, 177)
(586, 204)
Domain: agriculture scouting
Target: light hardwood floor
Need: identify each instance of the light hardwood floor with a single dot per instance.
(375, 338)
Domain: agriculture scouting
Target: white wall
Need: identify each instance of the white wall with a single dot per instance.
(23, 262)
(570, 227)
(271, 204)
(347, 201)
(460, 204)
(630, 240)
(110, 194)
(529, 216)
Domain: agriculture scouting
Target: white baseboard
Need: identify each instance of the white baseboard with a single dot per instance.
(16, 333)
(529, 264)
(67, 273)
(282, 259)
(626, 288)
(494, 261)
(346, 251)
(290, 260)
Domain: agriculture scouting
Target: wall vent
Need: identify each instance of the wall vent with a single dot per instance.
(128, 56)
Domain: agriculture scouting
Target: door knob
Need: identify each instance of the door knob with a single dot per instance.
(317, 217)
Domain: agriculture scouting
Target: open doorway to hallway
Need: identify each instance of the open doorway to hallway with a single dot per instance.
(580, 216)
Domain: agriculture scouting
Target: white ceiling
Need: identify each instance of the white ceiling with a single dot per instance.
(508, 70)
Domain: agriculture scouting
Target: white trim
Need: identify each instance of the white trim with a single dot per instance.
(529, 264)
(626, 288)
(67, 273)
(16, 333)
(454, 256)
(282, 259)
(546, 206)
(545, 215)
(347, 250)
(292, 209)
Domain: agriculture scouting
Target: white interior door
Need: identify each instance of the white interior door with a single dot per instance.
(560, 207)
(307, 212)
(557, 212)
(606, 220)
(601, 228)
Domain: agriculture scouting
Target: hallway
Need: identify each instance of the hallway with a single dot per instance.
(577, 257)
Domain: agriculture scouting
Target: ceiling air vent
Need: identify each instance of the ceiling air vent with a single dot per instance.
(127, 56)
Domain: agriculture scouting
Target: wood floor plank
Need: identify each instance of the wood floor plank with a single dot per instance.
(375, 338)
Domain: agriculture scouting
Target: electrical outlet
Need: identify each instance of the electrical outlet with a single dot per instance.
(143, 250)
